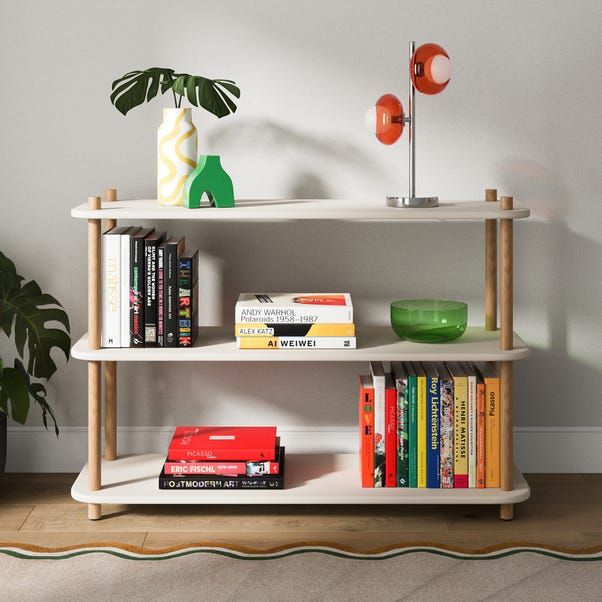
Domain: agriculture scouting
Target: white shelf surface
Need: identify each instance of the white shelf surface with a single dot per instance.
(379, 343)
(309, 479)
(300, 209)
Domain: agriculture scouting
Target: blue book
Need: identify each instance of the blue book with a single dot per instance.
(432, 426)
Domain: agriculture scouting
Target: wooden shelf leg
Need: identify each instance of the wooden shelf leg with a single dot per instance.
(491, 266)
(94, 368)
(110, 369)
(506, 342)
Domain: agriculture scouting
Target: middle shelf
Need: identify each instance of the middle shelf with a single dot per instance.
(374, 343)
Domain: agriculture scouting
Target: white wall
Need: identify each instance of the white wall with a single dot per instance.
(521, 114)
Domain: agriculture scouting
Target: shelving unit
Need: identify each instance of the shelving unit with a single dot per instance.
(133, 479)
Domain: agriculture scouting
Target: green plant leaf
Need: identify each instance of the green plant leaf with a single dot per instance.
(136, 87)
(14, 386)
(203, 92)
(29, 310)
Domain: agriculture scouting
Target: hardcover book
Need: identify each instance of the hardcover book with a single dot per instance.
(421, 425)
(433, 479)
(492, 424)
(161, 295)
(218, 443)
(366, 420)
(151, 245)
(446, 427)
(187, 298)
(390, 432)
(137, 286)
(296, 343)
(472, 423)
(125, 285)
(174, 247)
(480, 431)
(228, 469)
(294, 330)
(412, 425)
(460, 425)
(378, 380)
(401, 383)
(286, 308)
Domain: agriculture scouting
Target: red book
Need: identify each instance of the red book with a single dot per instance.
(390, 432)
(219, 443)
(366, 414)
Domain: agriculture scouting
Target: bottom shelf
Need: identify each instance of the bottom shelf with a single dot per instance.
(310, 479)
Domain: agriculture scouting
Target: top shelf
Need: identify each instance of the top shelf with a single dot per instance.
(301, 209)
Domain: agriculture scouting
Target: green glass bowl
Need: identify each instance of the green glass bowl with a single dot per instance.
(429, 320)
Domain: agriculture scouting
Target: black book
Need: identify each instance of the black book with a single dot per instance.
(187, 297)
(151, 244)
(214, 482)
(137, 287)
(173, 248)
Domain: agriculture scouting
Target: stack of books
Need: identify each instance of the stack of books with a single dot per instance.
(294, 321)
(149, 289)
(224, 457)
(427, 424)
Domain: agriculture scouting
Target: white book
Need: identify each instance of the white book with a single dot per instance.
(289, 308)
(472, 424)
(111, 287)
(125, 285)
(378, 380)
(295, 342)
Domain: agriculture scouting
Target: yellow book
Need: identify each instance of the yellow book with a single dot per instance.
(260, 329)
(492, 424)
(460, 424)
(421, 424)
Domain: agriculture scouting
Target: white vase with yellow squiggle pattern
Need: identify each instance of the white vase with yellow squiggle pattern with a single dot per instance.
(176, 154)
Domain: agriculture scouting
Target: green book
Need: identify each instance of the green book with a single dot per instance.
(401, 382)
(412, 429)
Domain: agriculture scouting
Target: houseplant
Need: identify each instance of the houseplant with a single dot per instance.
(25, 312)
(177, 136)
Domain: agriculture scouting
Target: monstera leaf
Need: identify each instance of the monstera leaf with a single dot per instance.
(136, 87)
(25, 312)
(211, 94)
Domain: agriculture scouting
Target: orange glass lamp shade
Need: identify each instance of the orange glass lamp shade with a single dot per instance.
(386, 119)
(430, 69)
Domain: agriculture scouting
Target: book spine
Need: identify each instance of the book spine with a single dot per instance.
(379, 432)
(472, 431)
(366, 414)
(150, 296)
(283, 314)
(421, 440)
(210, 455)
(124, 317)
(446, 459)
(231, 469)
(171, 296)
(161, 295)
(492, 433)
(289, 330)
(111, 290)
(480, 435)
(186, 313)
(390, 437)
(137, 292)
(413, 431)
(460, 432)
(190, 482)
(296, 343)
(432, 407)
(402, 433)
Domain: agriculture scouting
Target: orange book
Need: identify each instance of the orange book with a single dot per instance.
(480, 433)
(492, 424)
(366, 419)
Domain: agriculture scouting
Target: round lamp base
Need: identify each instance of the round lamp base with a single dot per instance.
(412, 201)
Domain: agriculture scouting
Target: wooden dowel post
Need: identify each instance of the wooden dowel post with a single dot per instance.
(110, 370)
(491, 266)
(94, 474)
(506, 342)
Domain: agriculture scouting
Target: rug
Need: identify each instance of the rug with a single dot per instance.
(299, 573)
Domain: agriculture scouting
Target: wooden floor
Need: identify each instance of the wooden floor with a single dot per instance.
(564, 511)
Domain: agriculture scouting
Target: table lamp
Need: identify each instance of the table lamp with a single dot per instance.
(430, 72)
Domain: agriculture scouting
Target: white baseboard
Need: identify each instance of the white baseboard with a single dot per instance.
(536, 449)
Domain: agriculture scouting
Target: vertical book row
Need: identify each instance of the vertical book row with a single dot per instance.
(149, 289)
